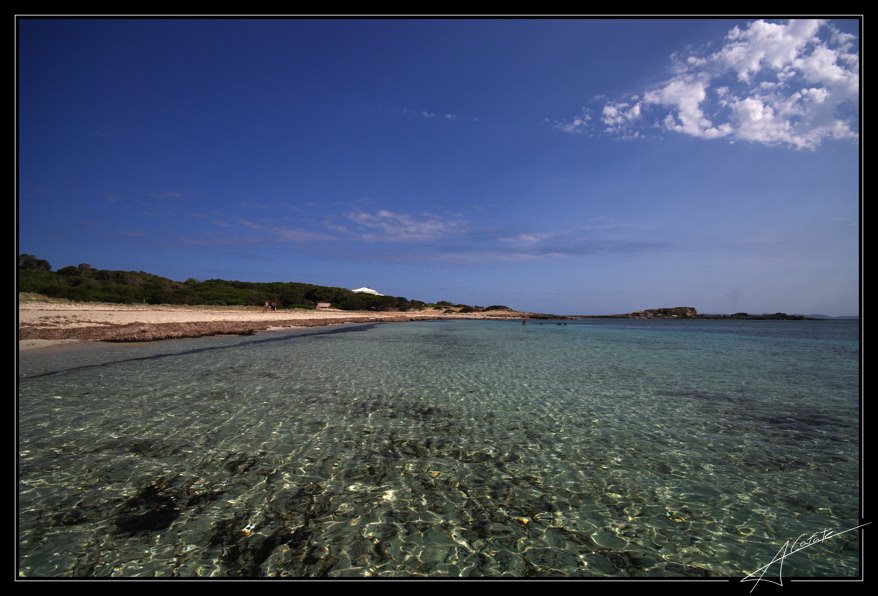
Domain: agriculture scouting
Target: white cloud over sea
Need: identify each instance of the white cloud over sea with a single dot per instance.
(390, 226)
(400, 236)
(429, 115)
(793, 84)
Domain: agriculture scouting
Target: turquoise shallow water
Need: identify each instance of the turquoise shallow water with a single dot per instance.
(598, 448)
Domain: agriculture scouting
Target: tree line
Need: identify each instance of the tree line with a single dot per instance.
(84, 283)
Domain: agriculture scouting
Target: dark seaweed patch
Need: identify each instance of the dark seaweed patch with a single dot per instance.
(159, 518)
(149, 510)
(252, 552)
(74, 517)
(142, 447)
(199, 499)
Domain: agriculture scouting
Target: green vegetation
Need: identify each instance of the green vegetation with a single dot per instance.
(32, 263)
(465, 308)
(84, 283)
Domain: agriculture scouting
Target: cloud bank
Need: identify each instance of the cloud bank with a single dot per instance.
(792, 84)
(399, 236)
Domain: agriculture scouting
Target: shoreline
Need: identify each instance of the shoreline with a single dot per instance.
(44, 324)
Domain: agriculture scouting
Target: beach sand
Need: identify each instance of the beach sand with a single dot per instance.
(47, 323)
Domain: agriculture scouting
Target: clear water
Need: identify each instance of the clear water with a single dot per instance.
(596, 448)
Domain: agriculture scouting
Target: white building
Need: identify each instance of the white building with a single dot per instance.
(367, 291)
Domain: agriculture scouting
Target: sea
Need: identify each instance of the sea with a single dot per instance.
(598, 448)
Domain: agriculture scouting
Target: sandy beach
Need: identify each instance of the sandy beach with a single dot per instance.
(44, 324)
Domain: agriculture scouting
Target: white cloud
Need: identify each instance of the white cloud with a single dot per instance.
(297, 234)
(687, 117)
(598, 238)
(756, 120)
(286, 234)
(762, 44)
(396, 236)
(821, 66)
(429, 115)
(792, 83)
(619, 114)
(843, 40)
(530, 237)
(577, 125)
(389, 226)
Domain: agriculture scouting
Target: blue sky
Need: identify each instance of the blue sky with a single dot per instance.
(567, 166)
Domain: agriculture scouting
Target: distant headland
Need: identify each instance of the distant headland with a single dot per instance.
(688, 312)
